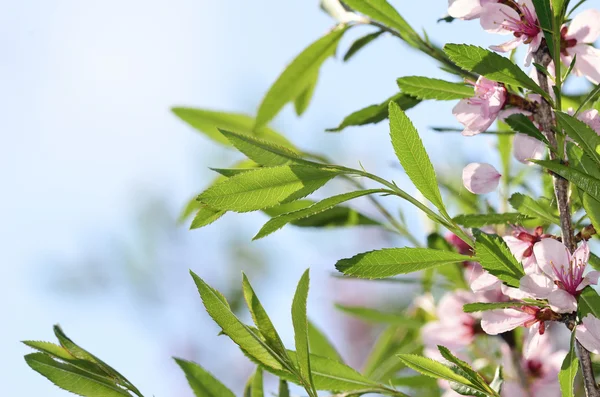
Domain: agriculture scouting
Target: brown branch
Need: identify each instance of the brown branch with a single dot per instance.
(561, 188)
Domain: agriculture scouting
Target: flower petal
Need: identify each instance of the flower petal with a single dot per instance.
(562, 302)
(532, 341)
(495, 322)
(581, 256)
(538, 285)
(464, 9)
(588, 61)
(494, 18)
(485, 282)
(509, 45)
(551, 254)
(588, 334)
(480, 178)
(592, 118)
(585, 27)
(526, 147)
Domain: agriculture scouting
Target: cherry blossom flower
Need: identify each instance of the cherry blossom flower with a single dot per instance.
(562, 275)
(576, 39)
(521, 244)
(516, 18)
(588, 333)
(479, 112)
(467, 9)
(480, 178)
(526, 148)
(338, 12)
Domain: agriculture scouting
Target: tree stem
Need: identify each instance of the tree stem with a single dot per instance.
(544, 118)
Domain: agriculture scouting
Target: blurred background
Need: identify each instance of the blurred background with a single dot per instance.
(95, 170)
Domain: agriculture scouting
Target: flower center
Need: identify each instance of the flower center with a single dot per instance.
(527, 23)
(534, 368)
(569, 277)
(564, 43)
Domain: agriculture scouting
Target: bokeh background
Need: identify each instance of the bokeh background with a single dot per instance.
(95, 170)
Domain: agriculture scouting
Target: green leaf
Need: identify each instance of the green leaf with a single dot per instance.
(392, 261)
(260, 151)
(483, 306)
(297, 76)
(209, 122)
(492, 66)
(360, 43)
(258, 389)
(582, 134)
(521, 123)
(284, 390)
(205, 216)
(262, 320)
(265, 187)
(334, 217)
(589, 303)
(545, 17)
(585, 182)
(202, 382)
(432, 368)
(428, 88)
(495, 257)
(568, 370)
(480, 220)
(415, 382)
(592, 208)
(378, 316)
(303, 100)
(538, 209)
(51, 349)
(237, 331)
(466, 371)
(300, 322)
(382, 11)
(375, 113)
(280, 221)
(73, 379)
(320, 345)
(498, 381)
(413, 157)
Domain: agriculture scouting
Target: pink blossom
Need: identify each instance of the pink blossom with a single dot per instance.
(526, 148)
(588, 333)
(480, 178)
(518, 19)
(459, 244)
(592, 118)
(479, 112)
(466, 9)
(562, 275)
(521, 244)
(576, 39)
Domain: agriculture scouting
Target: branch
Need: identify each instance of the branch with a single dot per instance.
(561, 188)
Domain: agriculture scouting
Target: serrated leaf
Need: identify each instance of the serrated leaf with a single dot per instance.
(205, 216)
(265, 187)
(375, 113)
(585, 182)
(415, 382)
(202, 382)
(360, 43)
(545, 16)
(382, 11)
(261, 320)
(589, 303)
(393, 261)
(413, 157)
(260, 151)
(50, 349)
(428, 88)
(320, 345)
(521, 123)
(237, 331)
(495, 257)
(209, 121)
(73, 379)
(466, 371)
(480, 220)
(432, 368)
(568, 371)
(300, 322)
(582, 134)
(280, 221)
(592, 208)
(378, 316)
(297, 76)
(483, 306)
(534, 208)
(492, 66)
(303, 100)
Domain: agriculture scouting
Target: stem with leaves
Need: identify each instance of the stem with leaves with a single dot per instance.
(544, 117)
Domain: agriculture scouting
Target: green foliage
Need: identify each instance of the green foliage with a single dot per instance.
(465, 369)
(480, 220)
(483, 306)
(260, 151)
(378, 316)
(589, 303)
(375, 113)
(495, 257)
(582, 134)
(540, 208)
(432, 368)
(428, 88)
(492, 66)
(393, 261)
(568, 370)
(413, 157)
(298, 76)
(303, 100)
(320, 345)
(522, 124)
(205, 216)
(585, 182)
(360, 43)
(202, 382)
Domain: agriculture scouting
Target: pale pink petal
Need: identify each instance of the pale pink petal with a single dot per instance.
(470, 116)
(509, 45)
(507, 112)
(546, 388)
(514, 293)
(592, 118)
(588, 61)
(513, 389)
(587, 334)
(532, 48)
(485, 282)
(526, 147)
(562, 302)
(581, 256)
(585, 27)
(551, 254)
(517, 247)
(437, 333)
(494, 16)
(532, 341)
(589, 279)
(538, 286)
(464, 9)
(495, 322)
(480, 178)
